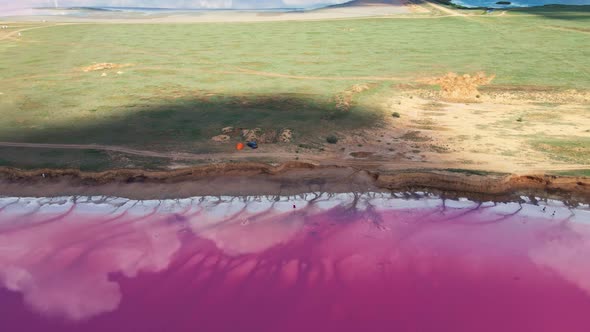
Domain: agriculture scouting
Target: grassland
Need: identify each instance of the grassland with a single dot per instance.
(185, 81)
(85, 160)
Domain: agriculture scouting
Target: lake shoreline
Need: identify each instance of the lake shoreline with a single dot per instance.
(291, 178)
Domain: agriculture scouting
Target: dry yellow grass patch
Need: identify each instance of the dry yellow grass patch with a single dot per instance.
(455, 87)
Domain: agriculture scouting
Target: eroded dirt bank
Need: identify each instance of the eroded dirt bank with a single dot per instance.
(285, 179)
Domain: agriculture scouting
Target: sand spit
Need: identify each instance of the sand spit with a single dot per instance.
(286, 179)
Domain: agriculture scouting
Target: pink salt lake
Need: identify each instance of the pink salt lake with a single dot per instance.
(340, 262)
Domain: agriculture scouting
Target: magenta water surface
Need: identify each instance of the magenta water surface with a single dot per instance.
(315, 262)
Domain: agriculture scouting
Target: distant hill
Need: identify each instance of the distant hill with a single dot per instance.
(99, 9)
(359, 3)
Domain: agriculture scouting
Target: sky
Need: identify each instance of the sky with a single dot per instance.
(15, 4)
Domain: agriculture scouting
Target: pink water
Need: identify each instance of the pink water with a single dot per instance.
(370, 262)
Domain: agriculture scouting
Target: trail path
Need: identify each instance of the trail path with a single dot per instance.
(304, 77)
(145, 153)
(101, 147)
(553, 27)
(236, 71)
(11, 34)
(325, 159)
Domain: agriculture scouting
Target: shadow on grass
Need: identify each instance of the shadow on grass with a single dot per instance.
(85, 160)
(187, 123)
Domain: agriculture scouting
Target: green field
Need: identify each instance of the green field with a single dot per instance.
(186, 81)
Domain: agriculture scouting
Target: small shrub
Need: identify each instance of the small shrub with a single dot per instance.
(395, 114)
(332, 139)
(519, 119)
(195, 133)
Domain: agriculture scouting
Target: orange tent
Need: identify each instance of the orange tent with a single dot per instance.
(240, 146)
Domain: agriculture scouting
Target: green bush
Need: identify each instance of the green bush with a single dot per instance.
(395, 114)
(332, 139)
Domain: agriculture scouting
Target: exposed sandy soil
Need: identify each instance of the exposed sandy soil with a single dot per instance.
(503, 132)
(461, 88)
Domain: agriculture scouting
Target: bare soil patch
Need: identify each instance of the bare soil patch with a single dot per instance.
(414, 136)
(361, 154)
(104, 66)
(259, 135)
(509, 129)
(286, 136)
(455, 87)
(527, 94)
(220, 138)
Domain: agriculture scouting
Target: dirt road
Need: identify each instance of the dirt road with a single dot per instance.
(315, 78)
(320, 159)
(147, 153)
(14, 33)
